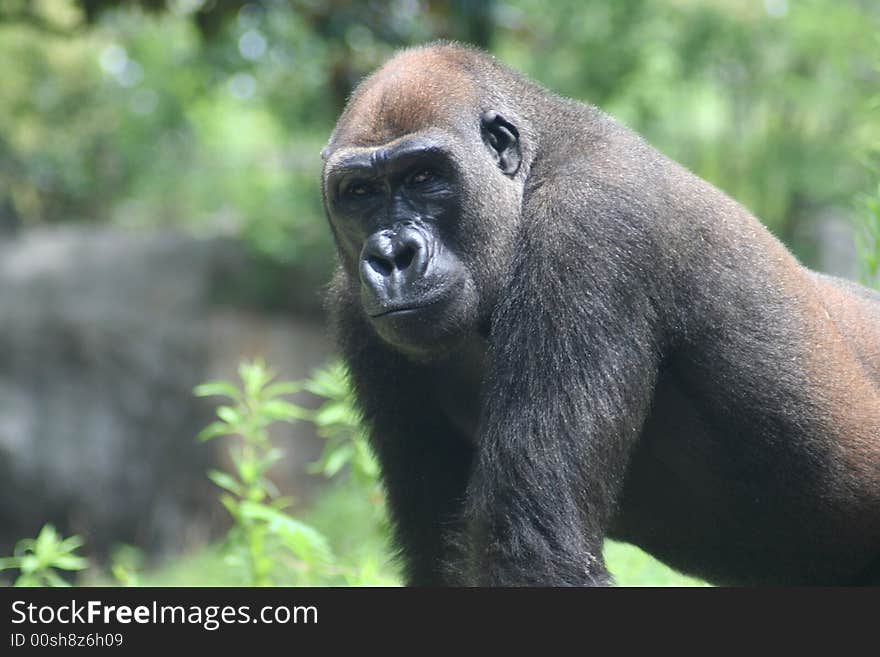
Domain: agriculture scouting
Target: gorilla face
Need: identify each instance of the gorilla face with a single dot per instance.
(395, 210)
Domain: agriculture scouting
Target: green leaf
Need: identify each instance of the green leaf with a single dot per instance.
(282, 388)
(334, 413)
(217, 389)
(10, 562)
(330, 382)
(278, 409)
(337, 459)
(230, 415)
(213, 430)
(269, 487)
(71, 543)
(304, 541)
(272, 457)
(281, 503)
(254, 375)
(226, 482)
(29, 564)
(27, 580)
(46, 540)
(231, 505)
(366, 460)
(248, 471)
(70, 562)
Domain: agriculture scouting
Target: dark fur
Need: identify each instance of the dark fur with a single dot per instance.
(647, 362)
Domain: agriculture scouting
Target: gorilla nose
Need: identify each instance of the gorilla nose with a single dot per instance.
(391, 261)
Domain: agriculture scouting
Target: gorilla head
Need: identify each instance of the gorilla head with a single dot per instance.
(423, 190)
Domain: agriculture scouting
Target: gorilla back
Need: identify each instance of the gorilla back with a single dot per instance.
(556, 334)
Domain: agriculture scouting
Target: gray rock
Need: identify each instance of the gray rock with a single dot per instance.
(103, 335)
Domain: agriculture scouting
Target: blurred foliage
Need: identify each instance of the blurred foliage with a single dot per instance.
(771, 100)
(126, 562)
(265, 542)
(338, 423)
(868, 239)
(39, 559)
(211, 115)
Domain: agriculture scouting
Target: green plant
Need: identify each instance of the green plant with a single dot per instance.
(40, 558)
(868, 239)
(126, 562)
(263, 532)
(346, 450)
(338, 422)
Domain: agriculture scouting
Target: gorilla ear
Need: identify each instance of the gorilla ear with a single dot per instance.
(502, 138)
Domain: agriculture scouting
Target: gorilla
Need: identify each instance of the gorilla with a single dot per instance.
(556, 335)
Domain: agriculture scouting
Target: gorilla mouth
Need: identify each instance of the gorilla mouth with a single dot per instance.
(415, 305)
(402, 310)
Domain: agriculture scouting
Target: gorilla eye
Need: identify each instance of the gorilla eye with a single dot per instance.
(359, 188)
(423, 176)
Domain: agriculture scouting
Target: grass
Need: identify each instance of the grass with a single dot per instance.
(633, 567)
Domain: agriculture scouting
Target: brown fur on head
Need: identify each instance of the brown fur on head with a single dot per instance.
(417, 88)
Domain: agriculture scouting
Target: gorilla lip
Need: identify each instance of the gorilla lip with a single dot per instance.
(394, 311)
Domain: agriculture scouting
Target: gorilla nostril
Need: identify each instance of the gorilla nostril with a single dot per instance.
(403, 259)
(387, 253)
(380, 265)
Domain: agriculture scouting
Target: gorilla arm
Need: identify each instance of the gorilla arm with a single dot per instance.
(573, 363)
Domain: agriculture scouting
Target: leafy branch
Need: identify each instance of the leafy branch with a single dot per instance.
(261, 523)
